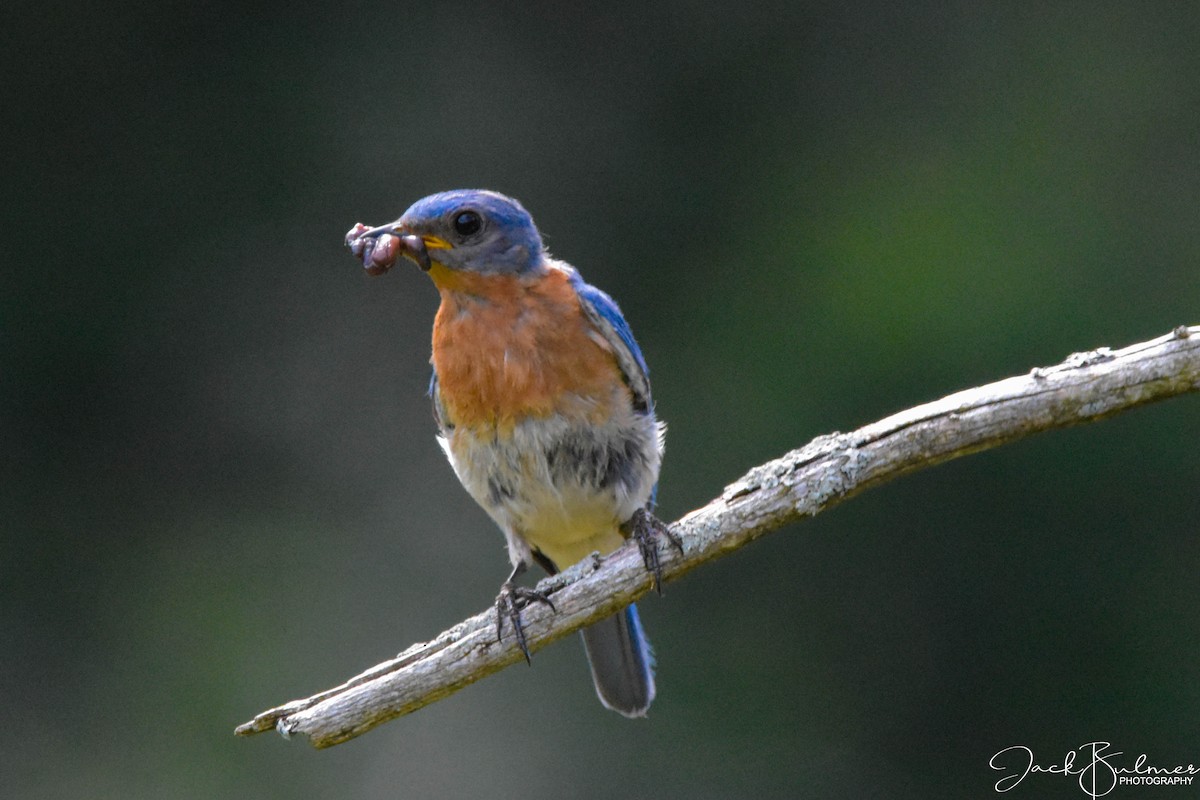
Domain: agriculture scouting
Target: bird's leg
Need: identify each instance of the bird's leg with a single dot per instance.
(511, 600)
(645, 528)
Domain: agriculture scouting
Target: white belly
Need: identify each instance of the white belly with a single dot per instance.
(559, 487)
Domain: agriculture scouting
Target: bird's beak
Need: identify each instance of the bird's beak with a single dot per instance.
(392, 227)
(379, 247)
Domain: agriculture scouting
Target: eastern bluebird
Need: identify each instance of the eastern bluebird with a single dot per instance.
(543, 404)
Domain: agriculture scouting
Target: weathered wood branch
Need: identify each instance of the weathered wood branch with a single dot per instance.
(1084, 388)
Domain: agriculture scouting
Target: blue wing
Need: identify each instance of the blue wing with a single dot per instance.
(603, 312)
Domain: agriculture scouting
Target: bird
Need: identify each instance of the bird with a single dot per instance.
(542, 401)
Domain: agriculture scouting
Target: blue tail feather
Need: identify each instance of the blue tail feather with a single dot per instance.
(622, 663)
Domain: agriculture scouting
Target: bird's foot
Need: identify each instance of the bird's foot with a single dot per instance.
(645, 528)
(509, 602)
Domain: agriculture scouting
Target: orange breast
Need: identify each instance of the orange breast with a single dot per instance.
(508, 347)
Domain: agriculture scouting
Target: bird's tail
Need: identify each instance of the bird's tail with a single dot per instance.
(622, 664)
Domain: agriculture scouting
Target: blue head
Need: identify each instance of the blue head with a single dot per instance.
(474, 230)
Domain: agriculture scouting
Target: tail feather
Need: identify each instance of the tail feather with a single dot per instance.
(621, 661)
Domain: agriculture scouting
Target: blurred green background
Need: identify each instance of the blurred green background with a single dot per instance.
(221, 488)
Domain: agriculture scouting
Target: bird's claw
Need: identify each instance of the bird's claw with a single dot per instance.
(645, 528)
(509, 602)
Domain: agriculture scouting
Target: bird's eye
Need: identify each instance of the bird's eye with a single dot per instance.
(467, 223)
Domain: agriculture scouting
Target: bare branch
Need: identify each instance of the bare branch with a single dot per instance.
(1084, 388)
